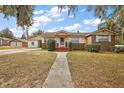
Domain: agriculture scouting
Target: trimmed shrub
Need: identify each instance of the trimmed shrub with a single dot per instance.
(85, 47)
(112, 48)
(51, 45)
(119, 48)
(70, 45)
(93, 47)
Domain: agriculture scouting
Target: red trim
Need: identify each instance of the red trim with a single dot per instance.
(62, 49)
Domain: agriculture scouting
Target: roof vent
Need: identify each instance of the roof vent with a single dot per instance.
(78, 31)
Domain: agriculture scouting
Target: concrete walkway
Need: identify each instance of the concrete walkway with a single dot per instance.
(59, 75)
(11, 51)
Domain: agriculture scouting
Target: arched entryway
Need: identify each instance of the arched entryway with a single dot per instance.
(62, 42)
(61, 37)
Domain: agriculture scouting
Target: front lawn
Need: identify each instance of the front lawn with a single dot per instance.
(9, 47)
(96, 69)
(28, 69)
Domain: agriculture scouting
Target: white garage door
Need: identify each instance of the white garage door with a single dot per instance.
(13, 44)
(19, 44)
(16, 44)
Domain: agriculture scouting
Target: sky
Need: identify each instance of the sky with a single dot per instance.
(50, 19)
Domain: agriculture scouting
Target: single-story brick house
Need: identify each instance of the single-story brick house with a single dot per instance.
(19, 43)
(4, 41)
(106, 38)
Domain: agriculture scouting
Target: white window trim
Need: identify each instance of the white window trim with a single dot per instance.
(74, 40)
(109, 38)
(98, 36)
(1, 41)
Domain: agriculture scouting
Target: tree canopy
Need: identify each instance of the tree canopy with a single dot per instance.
(113, 15)
(23, 14)
(39, 32)
(7, 33)
(114, 20)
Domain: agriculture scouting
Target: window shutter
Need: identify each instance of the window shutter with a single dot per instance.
(97, 37)
(109, 38)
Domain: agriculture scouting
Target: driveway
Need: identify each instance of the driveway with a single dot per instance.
(11, 51)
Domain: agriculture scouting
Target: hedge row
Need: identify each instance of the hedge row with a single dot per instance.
(89, 47)
(93, 47)
(117, 48)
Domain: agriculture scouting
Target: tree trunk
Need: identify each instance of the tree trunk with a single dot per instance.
(27, 37)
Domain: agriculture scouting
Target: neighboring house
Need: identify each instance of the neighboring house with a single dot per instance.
(19, 43)
(4, 41)
(35, 42)
(105, 37)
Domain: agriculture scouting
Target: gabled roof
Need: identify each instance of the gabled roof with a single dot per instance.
(19, 40)
(35, 38)
(53, 34)
(101, 30)
(4, 38)
(77, 34)
(61, 31)
(70, 34)
(48, 34)
(23, 40)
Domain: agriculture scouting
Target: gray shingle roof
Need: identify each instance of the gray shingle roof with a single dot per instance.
(53, 34)
(5, 38)
(70, 34)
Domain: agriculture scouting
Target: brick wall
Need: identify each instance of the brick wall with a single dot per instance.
(105, 46)
(78, 46)
(5, 43)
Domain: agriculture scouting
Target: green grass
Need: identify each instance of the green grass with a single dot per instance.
(9, 47)
(28, 69)
(96, 69)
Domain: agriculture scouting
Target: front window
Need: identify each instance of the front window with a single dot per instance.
(62, 41)
(44, 40)
(74, 40)
(103, 38)
(32, 43)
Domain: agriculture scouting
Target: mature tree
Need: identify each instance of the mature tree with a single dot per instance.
(72, 9)
(23, 14)
(114, 19)
(116, 16)
(7, 33)
(39, 32)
